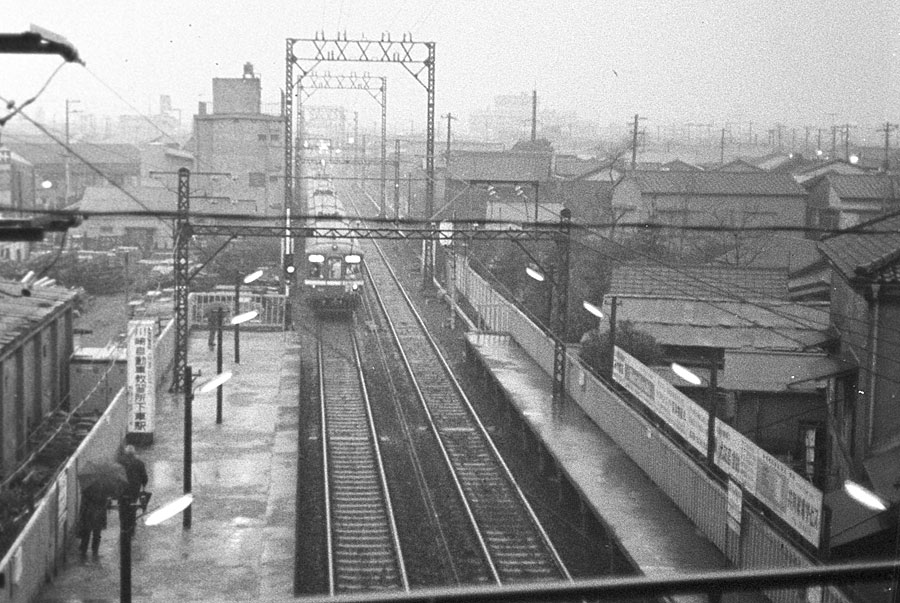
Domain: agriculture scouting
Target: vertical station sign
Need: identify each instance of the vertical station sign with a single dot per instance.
(141, 381)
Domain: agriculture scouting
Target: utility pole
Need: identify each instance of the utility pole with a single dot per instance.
(68, 176)
(722, 149)
(408, 191)
(449, 117)
(846, 131)
(888, 126)
(634, 141)
(365, 167)
(356, 145)
(397, 179)
(533, 116)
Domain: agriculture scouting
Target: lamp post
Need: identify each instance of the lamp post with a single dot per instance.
(253, 276)
(540, 277)
(219, 320)
(874, 502)
(188, 430)
(693, 379)
(127, 521)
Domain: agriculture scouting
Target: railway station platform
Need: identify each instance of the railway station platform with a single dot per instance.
(652, 531)
(240, 546)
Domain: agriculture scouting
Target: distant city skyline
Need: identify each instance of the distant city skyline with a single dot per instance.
(805, 64)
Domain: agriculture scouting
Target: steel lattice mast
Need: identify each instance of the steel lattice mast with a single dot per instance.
(417, 58)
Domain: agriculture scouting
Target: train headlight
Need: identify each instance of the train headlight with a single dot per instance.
(316, 258)
(352, 259)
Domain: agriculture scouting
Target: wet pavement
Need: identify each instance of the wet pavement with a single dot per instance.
(651, 530)
(241, 543)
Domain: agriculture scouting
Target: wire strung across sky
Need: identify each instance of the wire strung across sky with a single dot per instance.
(475, 222)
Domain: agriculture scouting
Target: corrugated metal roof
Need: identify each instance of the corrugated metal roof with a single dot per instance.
(504, 166)
(752, 370)
(93, 153)
(864, 186)
(700, 282)
(866, 255)
(153, 198)
(717, 183)
(19, 314)
(722, 324)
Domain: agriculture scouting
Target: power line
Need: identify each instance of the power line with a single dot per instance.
(588, 226)
(10, 104)
(94, 168)
(802, 344)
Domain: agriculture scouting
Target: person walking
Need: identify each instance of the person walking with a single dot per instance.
(136, 471)
(92, 522)
(214, 322)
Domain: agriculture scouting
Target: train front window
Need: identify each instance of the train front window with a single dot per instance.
(315, 270)
(333, 266)
(352, 270)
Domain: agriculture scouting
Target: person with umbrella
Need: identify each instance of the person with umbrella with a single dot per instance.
(135, 470)
(99, 482)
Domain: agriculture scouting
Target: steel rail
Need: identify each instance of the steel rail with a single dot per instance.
(510, 554)
(364, 550)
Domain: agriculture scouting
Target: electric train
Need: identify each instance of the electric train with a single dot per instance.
(332, 274)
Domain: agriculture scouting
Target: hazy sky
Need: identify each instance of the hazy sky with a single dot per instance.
(791, 61)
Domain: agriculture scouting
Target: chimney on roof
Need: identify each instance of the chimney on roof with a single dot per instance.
(201, 108)
(248, 70)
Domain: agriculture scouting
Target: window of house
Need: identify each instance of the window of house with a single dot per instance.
(106, 229)
(273, 178)
(257, 179)
(274, 137)
(262, 137)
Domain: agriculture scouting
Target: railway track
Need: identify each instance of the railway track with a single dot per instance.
(511, 543)
(363, 548)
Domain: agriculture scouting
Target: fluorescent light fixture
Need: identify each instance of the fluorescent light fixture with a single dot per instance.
(244, 317)
(253, 276)
(28, 278)
(316, 258)
(592, 309)
(864, 496)
(169, 510)
(539, 277)
(352, 259)
(215, 382)
(686, 374)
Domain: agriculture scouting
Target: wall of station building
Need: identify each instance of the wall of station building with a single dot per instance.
(35, 381)
(250, 148)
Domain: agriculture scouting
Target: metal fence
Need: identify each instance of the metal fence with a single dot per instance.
(271, 308)
(703, 499)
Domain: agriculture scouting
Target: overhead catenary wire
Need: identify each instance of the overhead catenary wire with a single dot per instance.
(477, 222)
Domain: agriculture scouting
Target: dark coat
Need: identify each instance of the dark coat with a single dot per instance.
(137, 474)
(93, 514)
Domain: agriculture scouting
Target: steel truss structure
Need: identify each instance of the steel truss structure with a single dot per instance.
(184, 230)
(416, 57)
(365, 82)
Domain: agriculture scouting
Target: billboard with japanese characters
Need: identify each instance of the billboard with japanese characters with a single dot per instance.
(141, 376)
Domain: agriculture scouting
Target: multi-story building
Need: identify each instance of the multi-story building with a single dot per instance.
(238, 139)
(16, 194)
(62, 176)
(35, 351)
